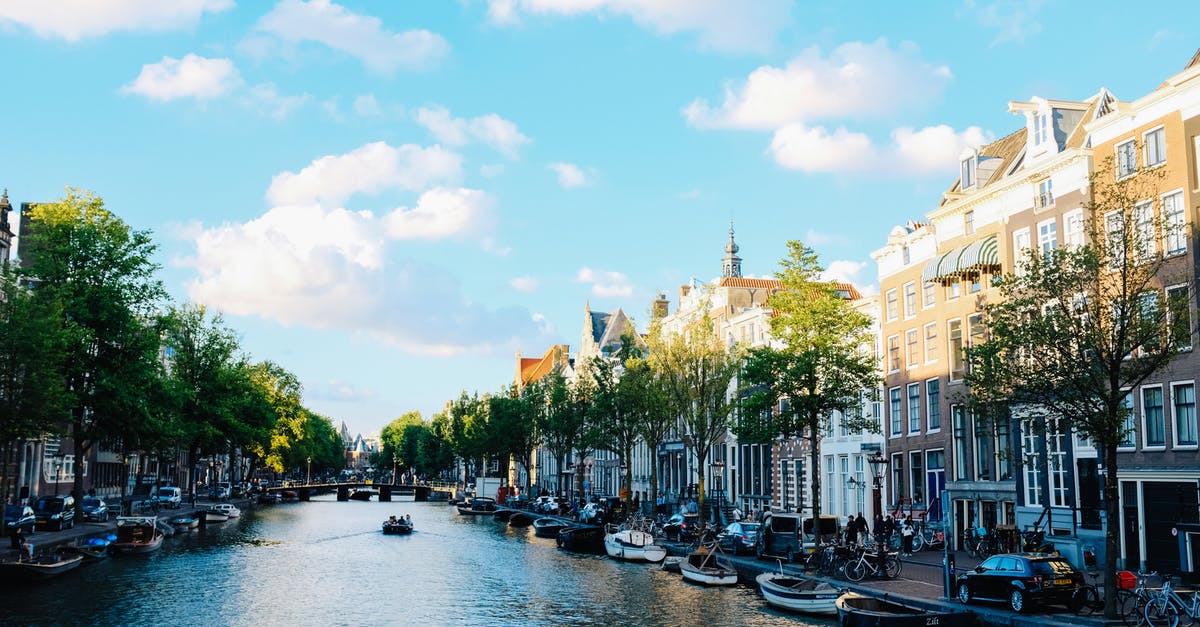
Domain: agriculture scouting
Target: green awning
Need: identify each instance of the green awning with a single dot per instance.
(978, 255)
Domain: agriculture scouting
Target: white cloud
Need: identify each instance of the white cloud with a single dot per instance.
(73, 20)
(268, 101)
(857, 79)
(491, 170)
(853, 272)
(928, 150)
(489, 244)
(372, 168)
(720, 24)
(1013, 20)
(569, 175)
(366, 105)
(439, 213)
(361, 36)
(605, 283)
(524, 284)
(192, 76)
(500, 134)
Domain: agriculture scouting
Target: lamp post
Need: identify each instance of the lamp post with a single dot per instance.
(879, 465)
(308, 477)
(58, 464)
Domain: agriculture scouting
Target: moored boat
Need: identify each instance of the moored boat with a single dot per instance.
(548, 527)
(137, 535)
(397, 526)
(479, 506)
(185, 522)
(798, 594)
(363, 494)
(855, 610)
(633, 545)
(93, 550)
(229, 509)
(269, 498)
(502, 515)
(520, 519)
(213, 516)
(671, 563)
(582, 539)
(40, 566)
(707, 565)
(291, 496)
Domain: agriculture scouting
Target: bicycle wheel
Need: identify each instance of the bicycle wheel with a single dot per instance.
(1086, 601)
(891, 567)
(1131, 607)
(857, 571)
(918, 542)
(1161, 613)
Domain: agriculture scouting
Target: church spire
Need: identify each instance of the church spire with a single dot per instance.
(731, 265)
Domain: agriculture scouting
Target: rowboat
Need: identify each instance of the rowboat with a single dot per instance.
(798, 594)
(633, 545)
(708, 566)
(40, 567)
(137, 535)
(855, 610)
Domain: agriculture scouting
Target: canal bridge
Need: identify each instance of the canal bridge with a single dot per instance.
(420, 491)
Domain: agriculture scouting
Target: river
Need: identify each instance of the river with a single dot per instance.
(326, 563)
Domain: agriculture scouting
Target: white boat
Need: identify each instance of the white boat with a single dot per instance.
(798, 594)
(213, 516)
(229, 509)
(708, 566)
(633, 545)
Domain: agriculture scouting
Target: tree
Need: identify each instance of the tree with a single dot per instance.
(397, 448)
(435, 454)
(280, 390)
(1075, 330)
(617, 406)
(697, 372)
(98, 273)
(653, 415)
(467, 430)
(512, 426)
(564, 424)
(823, 364)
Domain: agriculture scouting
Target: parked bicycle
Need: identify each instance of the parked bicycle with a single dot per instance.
(1166, 606)
(980, 543)
(879, 564)
(1089, 600)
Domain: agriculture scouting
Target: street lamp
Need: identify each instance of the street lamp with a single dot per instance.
(879, 465)
(58, 465)
(308, 478)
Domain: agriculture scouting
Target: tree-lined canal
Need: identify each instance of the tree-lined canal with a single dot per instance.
(326, 563)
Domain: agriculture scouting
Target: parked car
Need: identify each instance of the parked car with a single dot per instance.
(778, 536)
(19, 516)
(221, 490)
(738, 537)
(55, 511)
(95, 509)
(1021, 580)
(682, 527)
(169, 496)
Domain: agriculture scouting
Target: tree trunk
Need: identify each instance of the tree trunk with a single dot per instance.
(627, 479)
(1112, 543)
(654, 477)
(814, 469)
(700, 480)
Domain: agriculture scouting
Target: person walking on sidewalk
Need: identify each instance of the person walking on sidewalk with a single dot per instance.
(906, 536)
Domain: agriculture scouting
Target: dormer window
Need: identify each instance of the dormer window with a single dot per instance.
(967, 173)
(1041, 128)
(969, 222)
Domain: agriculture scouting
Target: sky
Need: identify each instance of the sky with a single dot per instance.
(391, 199)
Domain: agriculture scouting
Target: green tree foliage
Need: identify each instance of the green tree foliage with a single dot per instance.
(618, 404)
(277, 448)
(1074, 331)
(468, 429)
(512, 426)
(98, 273)
(825, 364)
(435, 454)
(697, 372)
(564, 423)
(393, 447)
(654, 417)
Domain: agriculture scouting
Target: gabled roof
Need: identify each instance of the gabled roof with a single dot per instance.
(751, 283)
(600, 321)
(534, 368)
(1007, 149)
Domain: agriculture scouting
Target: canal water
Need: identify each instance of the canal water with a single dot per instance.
(326, 563)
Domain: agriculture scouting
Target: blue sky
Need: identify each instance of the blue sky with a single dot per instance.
(391, 198)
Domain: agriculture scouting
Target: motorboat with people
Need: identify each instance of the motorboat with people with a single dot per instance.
(229, 509)
(798, 594)
(40, 567)
(548, 527)
(478, 506)
(707, 565)
(398, 525)
(633, 545)
(137, 535)
(856, 610)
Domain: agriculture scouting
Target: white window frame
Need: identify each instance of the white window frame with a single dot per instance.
(928, 295)
(1124, 169)
(930, 344)
(1041, 127)
(1162, 147)
(1073, 229)
(1175, 418)
(1145, 244)
(969, 221)
(890, 362)
(917, 420)
(1045, 193)
(929, 405)
(895, 412)
(1146, 446)
(967, 173)
(910, 289)
(1114, 222)
(1047, 237)
(962, 338)
(912, 349)
(891, 297)
(1174, 223)
(1021, 243)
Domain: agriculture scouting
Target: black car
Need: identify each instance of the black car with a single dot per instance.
(1021, 580)
(738, 537)
(19, 516)
(682, 527)
(95, 509)
(55, 511)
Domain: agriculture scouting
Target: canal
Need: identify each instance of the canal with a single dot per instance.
(326, 563)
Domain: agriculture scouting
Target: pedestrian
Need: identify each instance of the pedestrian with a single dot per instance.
(906, 536)
(17, 537)
(889, 528)
(863, 532)
(737, 515)
(877, 528)
(851, 530)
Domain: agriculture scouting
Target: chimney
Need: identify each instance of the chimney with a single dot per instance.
(661, 306)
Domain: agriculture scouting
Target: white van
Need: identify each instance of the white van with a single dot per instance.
(169, 496)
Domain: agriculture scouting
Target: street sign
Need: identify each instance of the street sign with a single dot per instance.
(870, 447)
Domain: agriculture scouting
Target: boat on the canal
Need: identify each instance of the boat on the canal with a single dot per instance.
(582, 539)
(633, 545)
(40, 566)
(502, 515)
(479, 506)
(269, 498)
(363, 494)
(548, 527)
(397, 526)
(798, 594)
(671, 563)
(93, 550)
(229, 509)
(184, 523)
(708, 566)
(521, 519)
(855, 610)
(214, 516)
(137, 535)
(291, 496)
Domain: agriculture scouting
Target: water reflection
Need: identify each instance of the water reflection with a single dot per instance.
(326, 563)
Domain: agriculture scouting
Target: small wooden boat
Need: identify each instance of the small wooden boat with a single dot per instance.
(633, 545)
(397, 526)
(363, 494)
(185, 522)
(520, 519)
(90, 552)
(798, 594)
(480, 506)
(502, 515)
(229, 509)
(582, 539)
(708, 566)
(671, 563)
(41, 566)
(214, 516)
(137, 535)
(548, 527)
(855, 610)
